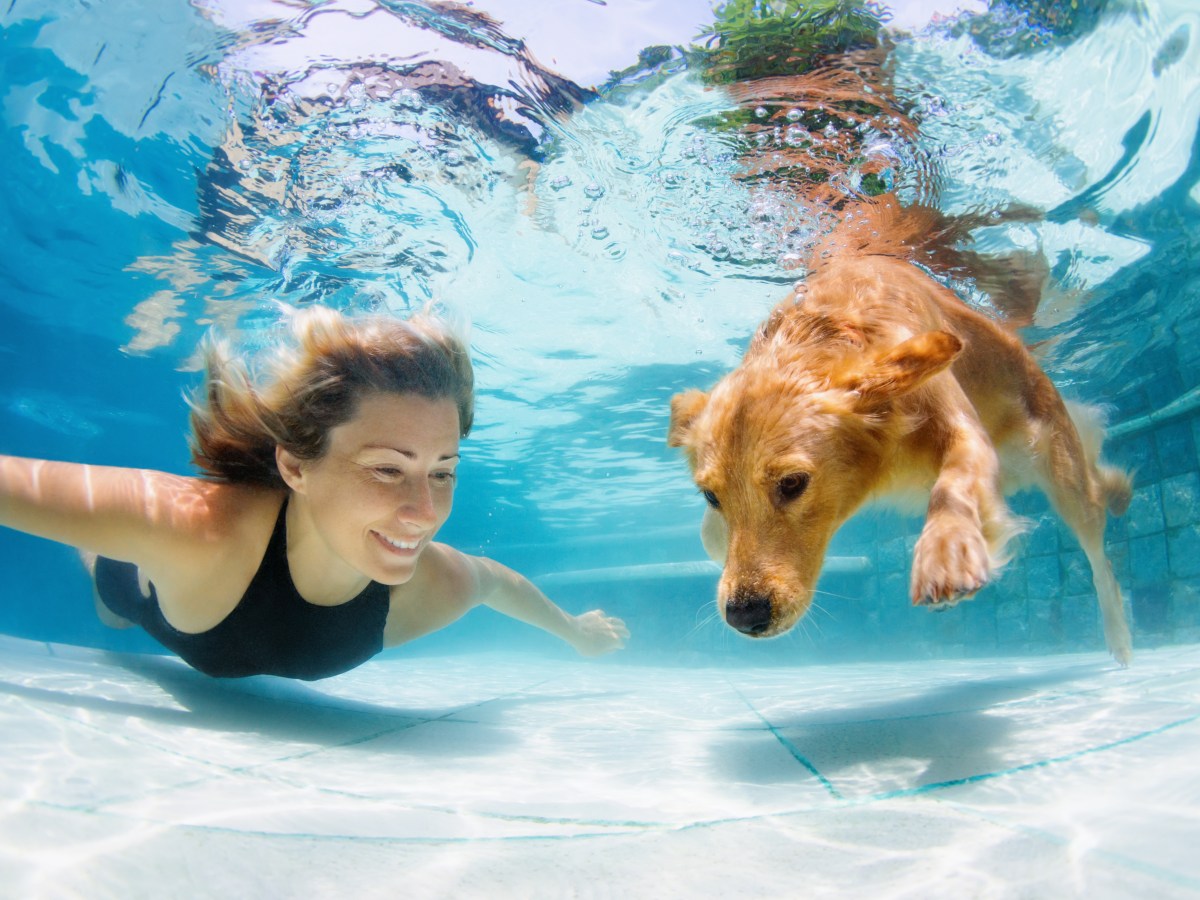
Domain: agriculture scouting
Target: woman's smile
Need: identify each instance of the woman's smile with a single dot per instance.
(398, 545)
(406, 549)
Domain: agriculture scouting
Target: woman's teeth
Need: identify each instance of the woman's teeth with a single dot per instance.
(400, 545)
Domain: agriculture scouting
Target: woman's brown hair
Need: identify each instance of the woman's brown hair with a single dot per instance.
(315, 385)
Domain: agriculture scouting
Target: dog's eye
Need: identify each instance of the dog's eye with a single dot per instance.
(712, 499)
(791, 486)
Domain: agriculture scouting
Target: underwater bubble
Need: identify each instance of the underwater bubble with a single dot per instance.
(992, 139)
(599, 232)
(560, 181)
(761, 112)
(594, 191)
(407, 98)
(795, 136)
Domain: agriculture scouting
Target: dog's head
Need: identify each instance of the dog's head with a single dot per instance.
(784, 452)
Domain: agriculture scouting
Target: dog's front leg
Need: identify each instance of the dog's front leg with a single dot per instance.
(953, 558)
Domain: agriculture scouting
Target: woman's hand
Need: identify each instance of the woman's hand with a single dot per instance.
(597, 633)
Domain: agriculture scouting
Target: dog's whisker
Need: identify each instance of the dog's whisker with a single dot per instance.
(699, 627)
(703, 619)
(836, 596)
(807, 628)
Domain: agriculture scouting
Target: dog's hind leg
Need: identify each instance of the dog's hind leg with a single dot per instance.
(1082, 492)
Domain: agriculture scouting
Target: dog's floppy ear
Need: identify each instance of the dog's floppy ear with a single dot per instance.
(906, 366)
(685, 408)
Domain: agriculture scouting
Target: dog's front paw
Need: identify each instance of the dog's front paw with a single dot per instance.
(951, 563)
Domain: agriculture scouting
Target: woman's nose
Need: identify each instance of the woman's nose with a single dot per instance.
(417, 505)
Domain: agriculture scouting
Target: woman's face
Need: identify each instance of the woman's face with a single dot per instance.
(385, 484)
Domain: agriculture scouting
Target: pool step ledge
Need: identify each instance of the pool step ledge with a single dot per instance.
(702, 568)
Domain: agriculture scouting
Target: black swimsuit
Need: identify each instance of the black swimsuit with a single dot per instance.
(271, 631)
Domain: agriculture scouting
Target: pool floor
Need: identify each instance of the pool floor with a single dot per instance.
(495, 776)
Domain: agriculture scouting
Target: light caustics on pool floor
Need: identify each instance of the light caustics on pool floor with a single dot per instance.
(489, 775)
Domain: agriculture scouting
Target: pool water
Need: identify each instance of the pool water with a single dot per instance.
(550, 174)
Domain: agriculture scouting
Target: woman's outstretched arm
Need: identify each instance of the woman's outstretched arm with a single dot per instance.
(449, 583)
(130, 514)
(591, 633)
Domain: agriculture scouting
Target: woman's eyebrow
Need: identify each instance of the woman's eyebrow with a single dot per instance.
(408, 454)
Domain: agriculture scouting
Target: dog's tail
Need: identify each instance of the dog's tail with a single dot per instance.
(940, 242)
(1116, 487)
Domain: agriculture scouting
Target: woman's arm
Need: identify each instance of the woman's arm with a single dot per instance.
(591, 633)
(129, 514)
(448, 583)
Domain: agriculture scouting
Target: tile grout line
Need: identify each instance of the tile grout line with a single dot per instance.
(791, 748)
(1027, 767)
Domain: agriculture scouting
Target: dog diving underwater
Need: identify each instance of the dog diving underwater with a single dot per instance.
(682, 448)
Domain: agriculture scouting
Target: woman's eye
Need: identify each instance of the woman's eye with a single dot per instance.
(388, 472)
(712, 499)
(443, 477)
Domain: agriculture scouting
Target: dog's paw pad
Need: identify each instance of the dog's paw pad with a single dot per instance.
(950, 564)
(949, 599)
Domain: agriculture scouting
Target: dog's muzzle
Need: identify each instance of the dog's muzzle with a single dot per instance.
(749, 613)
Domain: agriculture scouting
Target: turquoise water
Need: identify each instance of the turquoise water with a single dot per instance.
(172, 165)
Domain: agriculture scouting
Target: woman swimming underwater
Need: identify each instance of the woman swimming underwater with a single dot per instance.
(309, 545)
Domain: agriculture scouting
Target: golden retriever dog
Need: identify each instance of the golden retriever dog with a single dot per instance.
(875, 381)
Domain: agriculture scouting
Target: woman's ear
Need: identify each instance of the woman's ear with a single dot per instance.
(291, 468)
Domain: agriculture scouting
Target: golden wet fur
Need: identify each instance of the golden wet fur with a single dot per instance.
(874, 380)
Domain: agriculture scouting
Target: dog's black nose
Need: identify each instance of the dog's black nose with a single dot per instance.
(749, 613)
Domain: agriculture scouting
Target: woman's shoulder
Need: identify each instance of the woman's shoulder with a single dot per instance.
(240, 503)
(202, 574)
(239, 519)
(208, 523)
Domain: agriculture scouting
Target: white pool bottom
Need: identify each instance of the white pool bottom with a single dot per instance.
(486, 776)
